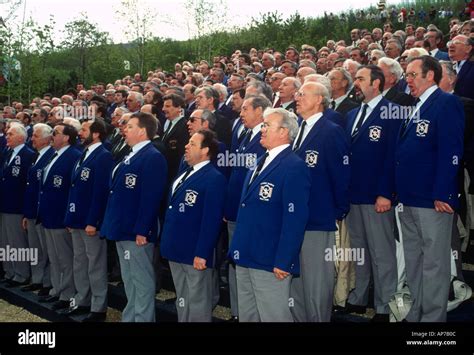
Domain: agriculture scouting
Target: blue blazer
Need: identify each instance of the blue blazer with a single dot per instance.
(372, 154)
(135, 194)
(272, 216)
(13, 181)
(194, 218)
(235, 136)
(325, 151)
(441, 55)
(89, 190)
(54, 191)
(33, 181)
(335, 117)
(249, 156)
(429, 152)
(465, 80)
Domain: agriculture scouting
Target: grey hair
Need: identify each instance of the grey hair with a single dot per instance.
(45, 130)
(288, 120)
(138, 96)
(271, 57)
(19, 129)
(346, 74)
(318, 78)
(378, 52)
(222, 89)
(259, 101)
(73, 122)
(397, 43)
(394, 67)
(323, 91)
(208, 116)
(262, 88)
(449, 68)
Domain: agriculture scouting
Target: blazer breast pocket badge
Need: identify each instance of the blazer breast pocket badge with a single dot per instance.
(85, 172)
(266, 191)
(311, 158)
(422, 128)
(130, 181)
(375, 132)
(57, 181)
(15, 171)
(190, 198)
(173, 143)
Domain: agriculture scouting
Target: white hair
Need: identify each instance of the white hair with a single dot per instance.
(221, 89)
(394, 67)
(417, 52)
(44, 129)
(72, 122)
(288, 120)
(318, 78)
(19, 129)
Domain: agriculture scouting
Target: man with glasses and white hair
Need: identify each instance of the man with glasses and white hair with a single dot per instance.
(324, 147)
(460, 51)
(393, 72)
(14, 166)
(266, 249)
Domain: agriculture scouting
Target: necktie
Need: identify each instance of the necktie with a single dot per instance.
(83, 157)
(35, 159)
(300, 136)
(246, 140)
(242, 135)
(361, 120)
(407, 120)
(333, 104)
(8, 157)
(46, 168)
(181, 182)
(260, 165)
(168, 129)
(277, 104)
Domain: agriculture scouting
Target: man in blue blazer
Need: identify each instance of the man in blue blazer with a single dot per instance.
(270, 224)
(136, 189)
(460, 52)
(429, 150)
(85, 212)
(52, 206)
(14, 170)
(370, 222)
(246, 155)
(191, 228)
(40, 273)
(324, 147)
(434, 38)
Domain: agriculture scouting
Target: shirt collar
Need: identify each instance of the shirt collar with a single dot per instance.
(139, 146)
(93, 147)
(62, 150)
(423, 97)
(375, 101)
(256, 129)
(18, 148)
(200, 165)
(286, 104)
(341, 98)
(277, 150)
(311, 121)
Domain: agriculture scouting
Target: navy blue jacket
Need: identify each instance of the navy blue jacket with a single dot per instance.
(325, 151)
(465, 81)
(429, 153)
(135, 194)
(89, 190)
(194, 218)
(13, 181)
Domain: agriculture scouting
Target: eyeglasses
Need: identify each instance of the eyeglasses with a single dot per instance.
(300, 94)
(412, 75)
(453, 43)
(55, 133)
(192, 119)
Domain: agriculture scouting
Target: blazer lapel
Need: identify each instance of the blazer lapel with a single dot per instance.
(426, 105)
(315, 130)
(196, 176)
(373, 115)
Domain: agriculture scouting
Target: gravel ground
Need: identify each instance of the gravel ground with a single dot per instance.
(11, 313)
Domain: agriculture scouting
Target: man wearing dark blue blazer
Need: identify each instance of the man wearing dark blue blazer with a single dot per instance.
(85, 212)
(245, 158)
(191, 228)
(131, 218)
(429, 151)
(52, 206)
(14, 170)
(324, 147)
(266, 248)
(40, 273)
(370, 222)
(434, 38)
(460, 52)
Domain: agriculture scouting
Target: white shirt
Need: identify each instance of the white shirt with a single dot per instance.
(48, 167)
(41, 153)
(423, 98)
(89, 149)
(458, 65)
(135, 149)
(16, 150)
(196, 168)
(433, 52)
(286, 104)
(371, 105)
(340, 99)
(272, 154)
(310, 122)
(255, 131)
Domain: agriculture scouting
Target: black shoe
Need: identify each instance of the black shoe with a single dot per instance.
(60, 305)
(380, 318)
(31, 287)
(48, 299)
(95, 317)
(75, 311)
(44, 291)
(352, 308)
(13, 283)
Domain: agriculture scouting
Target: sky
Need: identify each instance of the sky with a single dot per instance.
(172, 14)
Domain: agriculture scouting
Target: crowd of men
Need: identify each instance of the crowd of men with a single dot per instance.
(258, 159)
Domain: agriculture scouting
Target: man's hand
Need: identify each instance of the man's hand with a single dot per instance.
(199, 263)
(91, 231)
(141, 240)
(280, 274)
(24, 223)
(442, 207)
(382, 204)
